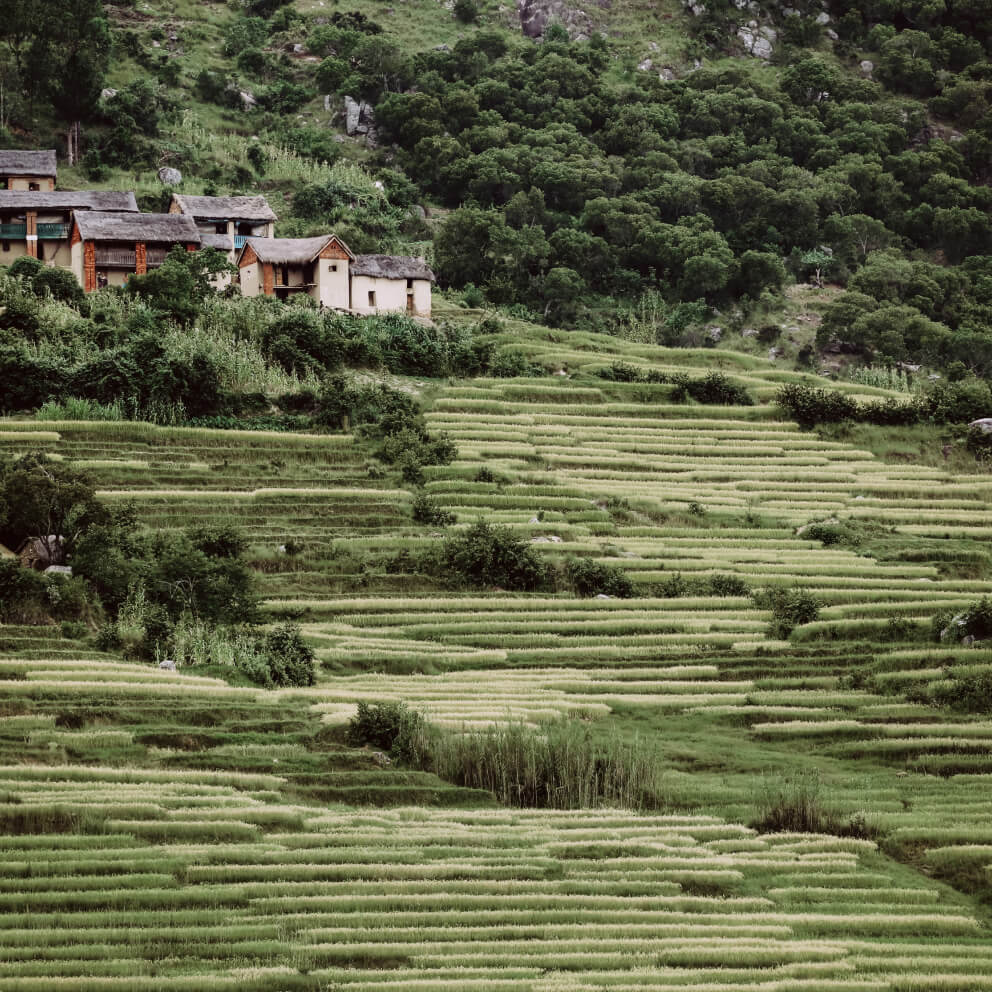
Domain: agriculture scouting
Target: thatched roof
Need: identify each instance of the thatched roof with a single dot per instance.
(288, 251)
(391, 267)
(226, 207)
(14, 162)
(169, 228)
(223, 242)
(84, 200)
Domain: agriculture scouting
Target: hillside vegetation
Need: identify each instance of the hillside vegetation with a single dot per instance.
(585, 637)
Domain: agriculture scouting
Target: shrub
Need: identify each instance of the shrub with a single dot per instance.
(594, 578)
(790, 608)
(22, 594)
(392, 727)
(718, 389)
(967, 693)
(810, 405)
(466, 11)
(290, 659)
(426, 511)
(728, 585)
(957, 402)
(975, 622)
(979, 443)
(487, 555)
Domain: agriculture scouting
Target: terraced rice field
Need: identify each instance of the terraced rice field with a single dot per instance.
(169, 831)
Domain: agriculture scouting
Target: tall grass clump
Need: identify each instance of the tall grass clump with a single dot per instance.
(557, 767)
(796, 804)
(882, 377)
(77, 408)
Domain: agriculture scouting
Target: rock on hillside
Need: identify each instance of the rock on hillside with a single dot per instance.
(536, 15)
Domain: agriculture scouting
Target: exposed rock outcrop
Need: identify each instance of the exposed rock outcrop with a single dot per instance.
(536, 15)
(360, 120)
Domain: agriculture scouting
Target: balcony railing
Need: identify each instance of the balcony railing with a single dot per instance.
(58, 231)
(116, 258)
(239, 241)
(154, 257)
(13, 232)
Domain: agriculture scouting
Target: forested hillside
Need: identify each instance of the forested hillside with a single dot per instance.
(640, 155)
(626, 625)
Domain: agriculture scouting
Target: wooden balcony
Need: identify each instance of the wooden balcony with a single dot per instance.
(115, 258)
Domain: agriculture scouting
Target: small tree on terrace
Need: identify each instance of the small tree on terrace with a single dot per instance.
(46, 500)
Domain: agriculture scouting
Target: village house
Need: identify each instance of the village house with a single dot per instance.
(237, 218)
(40, 553)
(39, 224)
(32, 171)
(281, 267)
(102, 238)
(331, 274)
(390, 284)
(107, 248)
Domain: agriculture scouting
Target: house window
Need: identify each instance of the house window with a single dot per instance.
(332, 268)
(220, 228)
(33, 187)
(409, 284)
(371, 298)
(6, 246)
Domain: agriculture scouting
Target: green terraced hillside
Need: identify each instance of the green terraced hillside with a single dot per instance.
(170, 830)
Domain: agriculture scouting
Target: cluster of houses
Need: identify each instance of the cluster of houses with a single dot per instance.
(102, 238)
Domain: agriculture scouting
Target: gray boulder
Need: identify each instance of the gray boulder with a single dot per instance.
(352, 111)
(536, 15)
(867, 67)
(984, 424)
(755, 42)
(167, 665)
(108, 94)
(247, 99)
(359, 118)
(169, 176)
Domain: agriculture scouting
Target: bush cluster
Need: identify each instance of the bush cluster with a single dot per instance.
(587, 577)
(790, 608)
(714, 388)
(944, 403)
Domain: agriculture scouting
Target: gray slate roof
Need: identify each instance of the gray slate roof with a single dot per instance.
(391, 267)
(288, 251)
(101, 226)
(14, 162)
(84, 200)
(224, 242)
(227, 207)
